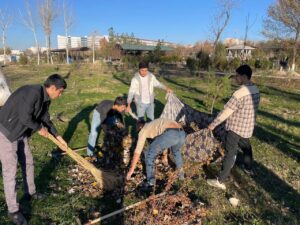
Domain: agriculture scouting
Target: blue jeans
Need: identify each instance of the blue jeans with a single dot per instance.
(95, 129)
(171, 138)
(141, 108)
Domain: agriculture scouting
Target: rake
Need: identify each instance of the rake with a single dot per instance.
(105, 179)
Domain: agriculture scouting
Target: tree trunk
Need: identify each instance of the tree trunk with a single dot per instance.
(4, 47)
(47, 46)
(295, 49)
(213, 104)
(67, 52)
(38, 47)
(93, 54)
(50, 55)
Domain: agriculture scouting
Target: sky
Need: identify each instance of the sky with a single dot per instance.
(178, 21)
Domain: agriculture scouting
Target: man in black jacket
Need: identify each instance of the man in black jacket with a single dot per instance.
(25, 112)
(100, 114)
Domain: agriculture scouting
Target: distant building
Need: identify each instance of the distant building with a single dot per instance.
(9, 58)
(97, 39)
(16, 52)
(87, 41)
(232, 41)
(239, 51)
(71, 42)
(34, 50)
(138, 49)
(154, 42)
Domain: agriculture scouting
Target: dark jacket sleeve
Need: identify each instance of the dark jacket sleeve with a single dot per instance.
(26, 110)
(48, 123)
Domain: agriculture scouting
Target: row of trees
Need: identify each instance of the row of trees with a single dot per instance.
(47, 12)
(261, 59)
(282, 25)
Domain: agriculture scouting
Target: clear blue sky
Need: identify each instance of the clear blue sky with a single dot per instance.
(184, 22)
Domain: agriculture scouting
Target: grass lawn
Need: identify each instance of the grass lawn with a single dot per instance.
(271, 196)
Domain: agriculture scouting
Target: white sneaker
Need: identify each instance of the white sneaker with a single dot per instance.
(216, 183)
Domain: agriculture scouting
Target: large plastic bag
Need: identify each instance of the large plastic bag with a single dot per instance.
(4, 90)
(201, 145)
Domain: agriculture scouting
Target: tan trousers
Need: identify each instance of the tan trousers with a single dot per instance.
(10, 154)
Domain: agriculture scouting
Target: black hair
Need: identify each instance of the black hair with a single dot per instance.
(56, 80)
(244, 70)
(140, 124)
(120, 101)
(143, 65)
(113, 116)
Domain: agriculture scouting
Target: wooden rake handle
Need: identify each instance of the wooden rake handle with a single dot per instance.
(79, 159)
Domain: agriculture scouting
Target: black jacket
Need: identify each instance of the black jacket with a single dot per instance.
(103, 108)
(25, 112)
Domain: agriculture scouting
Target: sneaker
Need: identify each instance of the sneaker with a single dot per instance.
(216, 183)
(17, 218)
(35, 196)
(248, 171)
(146, 187)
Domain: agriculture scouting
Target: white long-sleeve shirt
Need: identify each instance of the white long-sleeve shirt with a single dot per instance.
(135, 90)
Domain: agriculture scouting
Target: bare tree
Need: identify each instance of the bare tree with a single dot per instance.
(68, 22)
(5, 21)
(284, 22)
(94, 35)
(221, 20)
(48, 13)
(29, 22)
(247, 28)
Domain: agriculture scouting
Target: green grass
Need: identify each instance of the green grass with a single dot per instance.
(272, 196)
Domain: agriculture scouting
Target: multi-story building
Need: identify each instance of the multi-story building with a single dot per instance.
(96, 39)
(71, 42)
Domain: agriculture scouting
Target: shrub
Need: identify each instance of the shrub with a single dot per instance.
(234, 63)
(192, 65)
(204, 60)
(217, 87)
(23, 59)
(263, 64)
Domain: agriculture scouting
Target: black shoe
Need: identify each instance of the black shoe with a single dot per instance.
(35, 196)
(146, 189)
(17, 218)
(249, 172)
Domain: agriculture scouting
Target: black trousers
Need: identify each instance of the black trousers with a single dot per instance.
(234, 142)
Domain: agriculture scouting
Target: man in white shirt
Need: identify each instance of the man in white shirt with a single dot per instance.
(141, 89)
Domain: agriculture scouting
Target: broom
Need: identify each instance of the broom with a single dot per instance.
(106, 180)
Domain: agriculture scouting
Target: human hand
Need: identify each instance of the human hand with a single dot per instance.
(210, 127)
(43, 132)
(169, 90)
(128, 109)
(129, 174)
(61, 140)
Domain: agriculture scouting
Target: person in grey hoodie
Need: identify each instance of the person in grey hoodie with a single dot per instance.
(142, 90)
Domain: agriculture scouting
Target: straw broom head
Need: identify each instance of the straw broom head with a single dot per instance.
(106, 180)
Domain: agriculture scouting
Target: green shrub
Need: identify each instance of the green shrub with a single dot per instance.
(23, 59)
(234, 63)
(219, 60)
(192, 65)
(263, 64)
(217, 87)
(203, 60)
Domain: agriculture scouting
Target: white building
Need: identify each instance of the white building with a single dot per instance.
(34, 50)
(232, 41)
(16, 52)
(87, 41)
(239, 51)
(96, 39)
(71, 41)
